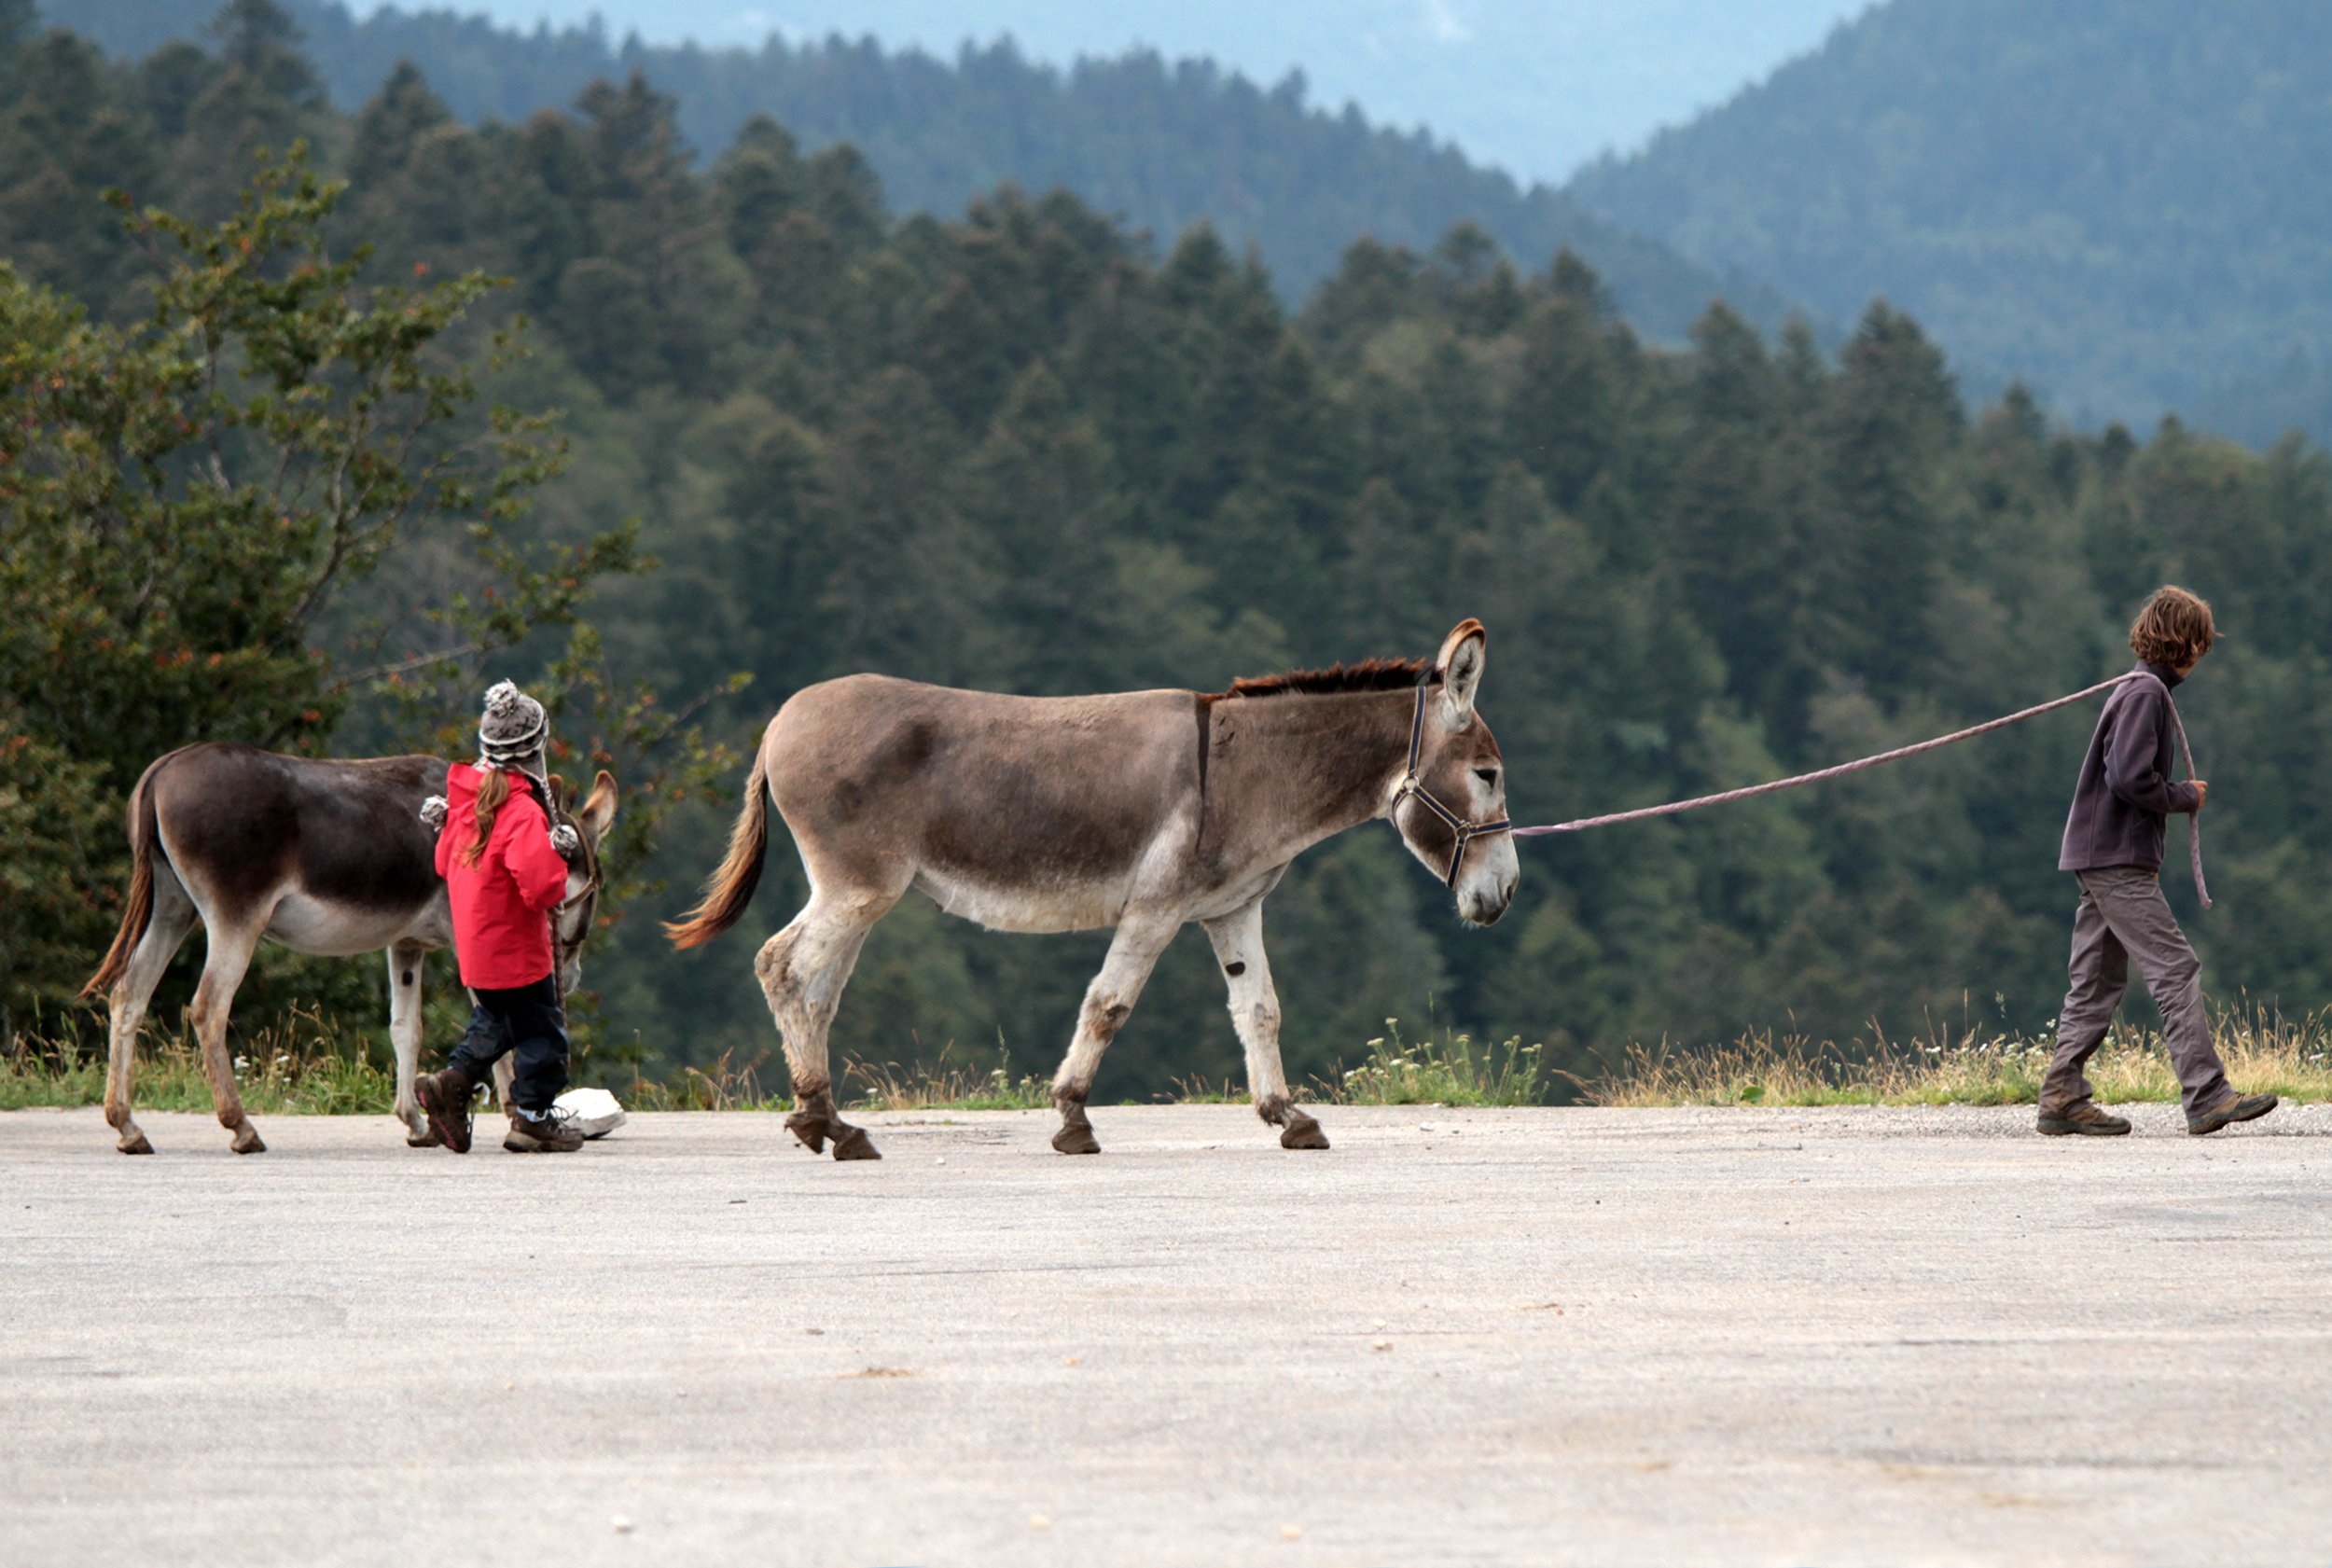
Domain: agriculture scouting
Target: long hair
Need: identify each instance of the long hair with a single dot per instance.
(2174, 629)
(491, 793)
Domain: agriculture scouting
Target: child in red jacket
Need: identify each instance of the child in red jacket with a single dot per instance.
(506, 870)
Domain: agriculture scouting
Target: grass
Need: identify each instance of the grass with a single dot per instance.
(302, 1064)
(950, 1083)
(1444, 1067)
(2264, 1052)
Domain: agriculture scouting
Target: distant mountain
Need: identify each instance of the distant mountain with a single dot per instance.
(1161, 145)
(1534, 86)
(2128, 202)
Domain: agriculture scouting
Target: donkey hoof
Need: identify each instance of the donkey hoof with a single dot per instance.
(426, 1139)
(1303, 1133)
(247, 1140)
(852, 1143)
(809, 1128)
(135, 1142)
(1077, 1139)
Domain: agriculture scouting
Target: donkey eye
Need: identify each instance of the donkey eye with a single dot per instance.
(1488, 776)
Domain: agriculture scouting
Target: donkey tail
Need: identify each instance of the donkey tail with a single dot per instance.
(730, 888)
(138, 908)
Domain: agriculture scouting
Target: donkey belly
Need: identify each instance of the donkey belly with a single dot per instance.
(305, 923)
(1054, 905)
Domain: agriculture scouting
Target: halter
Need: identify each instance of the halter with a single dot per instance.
(1413, 788)
(592, 881)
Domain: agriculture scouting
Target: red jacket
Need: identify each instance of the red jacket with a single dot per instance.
(502, 904)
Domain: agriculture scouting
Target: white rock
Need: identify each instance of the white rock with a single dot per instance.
(595, 1111)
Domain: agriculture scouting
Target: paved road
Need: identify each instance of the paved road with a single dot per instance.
(1548, 1337)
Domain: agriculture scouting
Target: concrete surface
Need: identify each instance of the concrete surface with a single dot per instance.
(1537, 1337)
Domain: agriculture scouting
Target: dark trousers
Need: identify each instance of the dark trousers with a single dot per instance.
(2123, 917)
(528, 1024)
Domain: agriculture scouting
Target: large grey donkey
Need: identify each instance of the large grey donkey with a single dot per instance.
(1138, 810)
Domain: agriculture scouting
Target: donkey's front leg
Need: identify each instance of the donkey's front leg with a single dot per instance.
(1255, 1012)
(1108, 1003)
(405, 962)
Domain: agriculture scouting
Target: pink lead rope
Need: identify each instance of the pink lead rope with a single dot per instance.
(2194, 840)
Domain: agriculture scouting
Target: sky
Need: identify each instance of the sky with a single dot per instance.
(1535, 87)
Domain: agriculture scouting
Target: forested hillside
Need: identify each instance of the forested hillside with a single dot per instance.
(1009, 450)
(2124, 201)
(1535, 87)
(1157, 145)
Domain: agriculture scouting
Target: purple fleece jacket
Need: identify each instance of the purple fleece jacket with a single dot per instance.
(2125, 792)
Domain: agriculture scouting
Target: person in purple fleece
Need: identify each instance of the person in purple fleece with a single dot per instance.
(2113, 846)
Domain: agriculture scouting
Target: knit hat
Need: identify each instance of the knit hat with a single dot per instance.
(513, 728)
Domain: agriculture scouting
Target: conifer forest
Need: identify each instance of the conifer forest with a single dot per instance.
(668, 432)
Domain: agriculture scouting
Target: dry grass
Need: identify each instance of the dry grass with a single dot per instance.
(2264, 1052)
(954, 1082)
(301, 1064)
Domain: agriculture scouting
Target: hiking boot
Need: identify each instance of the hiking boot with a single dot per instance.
(2083, 1118)
(2235, 1107)
(445, 1100)
(552, 1133)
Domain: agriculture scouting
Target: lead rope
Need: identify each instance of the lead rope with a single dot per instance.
(2194, 818)
(1674, 807)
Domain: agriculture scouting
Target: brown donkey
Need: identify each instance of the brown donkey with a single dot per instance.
(324, 857)
(1140, 810)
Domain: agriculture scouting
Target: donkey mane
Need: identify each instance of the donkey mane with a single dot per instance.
(1369, 674)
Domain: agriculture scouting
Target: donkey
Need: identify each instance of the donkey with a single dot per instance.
(1140, 810)
(324, 857)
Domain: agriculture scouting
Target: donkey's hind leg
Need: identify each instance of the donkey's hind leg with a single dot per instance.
(405, 962)
(802, 970)
(166, 927)
(1109, 1001)
(1255, 1012)
(223, 967)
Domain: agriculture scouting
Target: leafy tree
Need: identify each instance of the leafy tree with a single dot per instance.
(187, 503)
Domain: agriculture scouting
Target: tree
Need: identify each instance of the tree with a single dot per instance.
(185, 503)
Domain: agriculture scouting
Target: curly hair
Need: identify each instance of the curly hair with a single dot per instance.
(2173, 629)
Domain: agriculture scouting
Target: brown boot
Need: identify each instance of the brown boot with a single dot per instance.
(2083, 1118)
(2235, 1107)
(552, 1133)
(445, 1099)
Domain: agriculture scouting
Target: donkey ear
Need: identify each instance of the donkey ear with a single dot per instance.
(1463, 657)
(599, 813)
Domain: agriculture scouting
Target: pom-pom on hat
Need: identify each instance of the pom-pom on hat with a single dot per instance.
(513, 727)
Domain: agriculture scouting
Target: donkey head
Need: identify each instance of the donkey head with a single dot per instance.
(1458, 775)
(590, 820)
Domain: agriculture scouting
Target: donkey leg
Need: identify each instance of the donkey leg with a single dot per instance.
(1255, 1012)
(173, 917)
(223, 967)
(405, 962)
(1108, 1003)
(802, 970)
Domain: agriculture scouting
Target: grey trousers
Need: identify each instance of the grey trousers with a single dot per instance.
(2124, 916)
